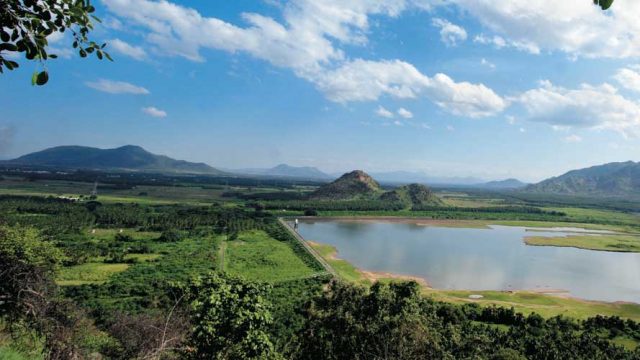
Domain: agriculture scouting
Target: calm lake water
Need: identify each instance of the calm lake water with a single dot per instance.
(480, 259)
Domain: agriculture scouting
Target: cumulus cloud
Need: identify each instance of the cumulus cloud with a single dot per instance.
(301, 42)
(450, 34)
(308, 41)
(382, 112)
(464, 98)
(628, 78)
(154, 111)
(126, 49)
(362, 80)
(116, 87)
(575, 27)
(405, 113)
(596, 107)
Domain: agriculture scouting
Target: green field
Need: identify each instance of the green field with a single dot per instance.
(617, 243)
(257, 256)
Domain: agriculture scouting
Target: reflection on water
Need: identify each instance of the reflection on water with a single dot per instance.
(481, 259)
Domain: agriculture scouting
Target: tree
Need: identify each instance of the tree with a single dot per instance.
(27, 24)
(230, 319)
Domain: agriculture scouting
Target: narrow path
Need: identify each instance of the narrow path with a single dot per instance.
(221, 252)
(309, 249)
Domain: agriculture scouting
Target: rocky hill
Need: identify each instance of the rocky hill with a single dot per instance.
(353, 185)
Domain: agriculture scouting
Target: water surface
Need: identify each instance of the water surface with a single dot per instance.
(495, 258)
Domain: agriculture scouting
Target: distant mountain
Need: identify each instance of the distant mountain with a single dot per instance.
(612, 179)
(413, 194)
(503, 184)
(284, 170)
(129, 157)
(352, 185)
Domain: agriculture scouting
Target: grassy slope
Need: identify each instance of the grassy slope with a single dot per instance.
(257, 256)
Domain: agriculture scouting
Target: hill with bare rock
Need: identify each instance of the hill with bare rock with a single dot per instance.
(353, 185)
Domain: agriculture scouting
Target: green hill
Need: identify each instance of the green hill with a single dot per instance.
(354, 185)
(414, 194)
(612, 179)
(130, 157)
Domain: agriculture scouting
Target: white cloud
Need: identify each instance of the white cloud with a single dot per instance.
(511, 120)
(500, 42)
(307, 41)
(405, 113)
(361, 80)
(596, 107)
(463, 98)
(575, 27)
(382, 112)
(127, 49)
(154, 111)
(116, 87)
(450, 34)
(628, 78)
(487, 63)
(573, 139)
(302, 41)
(450, 128)
(398, 123)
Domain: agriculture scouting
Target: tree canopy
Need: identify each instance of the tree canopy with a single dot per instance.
(28, 24)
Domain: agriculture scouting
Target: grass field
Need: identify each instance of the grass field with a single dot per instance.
(256, 256)
(618, 243)
(89, 273)
(545, 305)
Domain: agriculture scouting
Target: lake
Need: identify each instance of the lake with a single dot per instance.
(495, 258)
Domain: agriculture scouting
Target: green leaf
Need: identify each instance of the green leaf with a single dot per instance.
(42, 78)
(34, 78)
(604, 4)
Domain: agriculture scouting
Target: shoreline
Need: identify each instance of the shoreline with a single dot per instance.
(373, 276)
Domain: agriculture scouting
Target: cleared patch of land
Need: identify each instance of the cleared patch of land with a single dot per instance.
(608, 242)
(89, 273)
(257, 256)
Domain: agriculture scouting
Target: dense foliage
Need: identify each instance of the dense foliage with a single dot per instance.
(26, 25)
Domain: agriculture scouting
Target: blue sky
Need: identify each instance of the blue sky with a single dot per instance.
(450, 88)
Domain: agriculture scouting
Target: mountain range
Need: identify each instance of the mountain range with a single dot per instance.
(612, 179)
(129, 158)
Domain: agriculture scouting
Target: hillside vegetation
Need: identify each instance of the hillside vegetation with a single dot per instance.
(612, 179)
(127, 157)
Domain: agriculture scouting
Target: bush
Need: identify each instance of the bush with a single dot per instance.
(310, 212)
(170, 236)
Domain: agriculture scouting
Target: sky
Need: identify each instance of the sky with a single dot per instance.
(519, 89)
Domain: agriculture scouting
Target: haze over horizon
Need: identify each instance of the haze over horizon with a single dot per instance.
(462, 88)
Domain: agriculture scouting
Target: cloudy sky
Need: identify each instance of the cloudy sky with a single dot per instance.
(452, 88)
